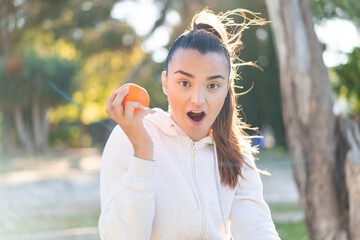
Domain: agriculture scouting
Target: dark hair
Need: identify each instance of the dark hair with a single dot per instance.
(202, 40)
(207, 33)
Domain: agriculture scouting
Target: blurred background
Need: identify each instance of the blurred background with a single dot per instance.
(59, 62)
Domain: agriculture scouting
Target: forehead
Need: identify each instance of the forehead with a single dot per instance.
(191, 60)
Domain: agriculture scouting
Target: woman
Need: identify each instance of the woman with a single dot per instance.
(189, 173)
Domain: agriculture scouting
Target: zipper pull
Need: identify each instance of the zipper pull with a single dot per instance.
(193, 149)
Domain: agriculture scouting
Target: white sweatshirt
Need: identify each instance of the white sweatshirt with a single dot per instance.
(178, 195)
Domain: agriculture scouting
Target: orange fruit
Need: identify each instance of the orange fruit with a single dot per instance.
(136, 94)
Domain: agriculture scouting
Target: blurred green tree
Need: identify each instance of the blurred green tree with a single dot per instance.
(75, 30)
(26, 93)
(344, 9)
(347, 83)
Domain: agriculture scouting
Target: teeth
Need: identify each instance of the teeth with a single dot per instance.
(197, 111)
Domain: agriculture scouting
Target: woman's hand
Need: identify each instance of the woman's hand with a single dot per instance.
(132, 125)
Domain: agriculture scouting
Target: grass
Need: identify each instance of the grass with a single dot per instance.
(59, 222)
(284, 207)
(276, 154)
(292, 231)
(24, 161)
(289, 230)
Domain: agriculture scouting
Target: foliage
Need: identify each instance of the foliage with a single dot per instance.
(76, 45)
(345, 9)
(347, 83)
(31, 81)
(87, 24)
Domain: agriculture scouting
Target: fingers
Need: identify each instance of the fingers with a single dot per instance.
(109, 103)
(120, 97)
(116, 104)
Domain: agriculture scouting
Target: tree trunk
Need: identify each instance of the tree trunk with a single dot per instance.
(311, 125)
(45, 127)
(40, 124)
(7, 138)
(36, 121)
(352, 171)
(22, 131)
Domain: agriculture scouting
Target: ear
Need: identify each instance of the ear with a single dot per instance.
(164, 82)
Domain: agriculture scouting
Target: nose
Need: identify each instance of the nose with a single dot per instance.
(198, 97)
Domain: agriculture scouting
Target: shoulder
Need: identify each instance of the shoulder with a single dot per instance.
(117, 134)
(247, 151)
(249, 159)
(117, 142)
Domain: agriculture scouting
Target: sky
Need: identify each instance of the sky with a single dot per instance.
(340, 36)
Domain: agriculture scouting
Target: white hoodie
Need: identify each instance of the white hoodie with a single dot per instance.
(178, 195)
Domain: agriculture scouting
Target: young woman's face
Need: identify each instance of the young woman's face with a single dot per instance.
(196, 86)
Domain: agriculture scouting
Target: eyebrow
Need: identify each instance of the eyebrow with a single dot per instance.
(192, 76)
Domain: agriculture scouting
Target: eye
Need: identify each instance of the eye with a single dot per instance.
(184, 83)
(213, 86)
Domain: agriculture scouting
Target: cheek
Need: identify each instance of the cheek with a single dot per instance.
(175, 99)
(218, 102)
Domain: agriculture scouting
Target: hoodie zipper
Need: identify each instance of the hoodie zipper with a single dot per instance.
(197, 187)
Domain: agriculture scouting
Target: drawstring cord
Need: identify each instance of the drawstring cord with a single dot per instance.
(219, 188)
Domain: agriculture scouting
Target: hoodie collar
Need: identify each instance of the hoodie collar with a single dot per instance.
(166, 124)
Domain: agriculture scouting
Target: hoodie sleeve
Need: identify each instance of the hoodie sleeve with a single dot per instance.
(127, 191)
(250, 215)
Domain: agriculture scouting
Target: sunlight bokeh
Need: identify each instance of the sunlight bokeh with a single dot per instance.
(141, 15)
(340, 37)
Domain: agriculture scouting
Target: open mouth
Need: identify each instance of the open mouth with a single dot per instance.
(196, 116)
